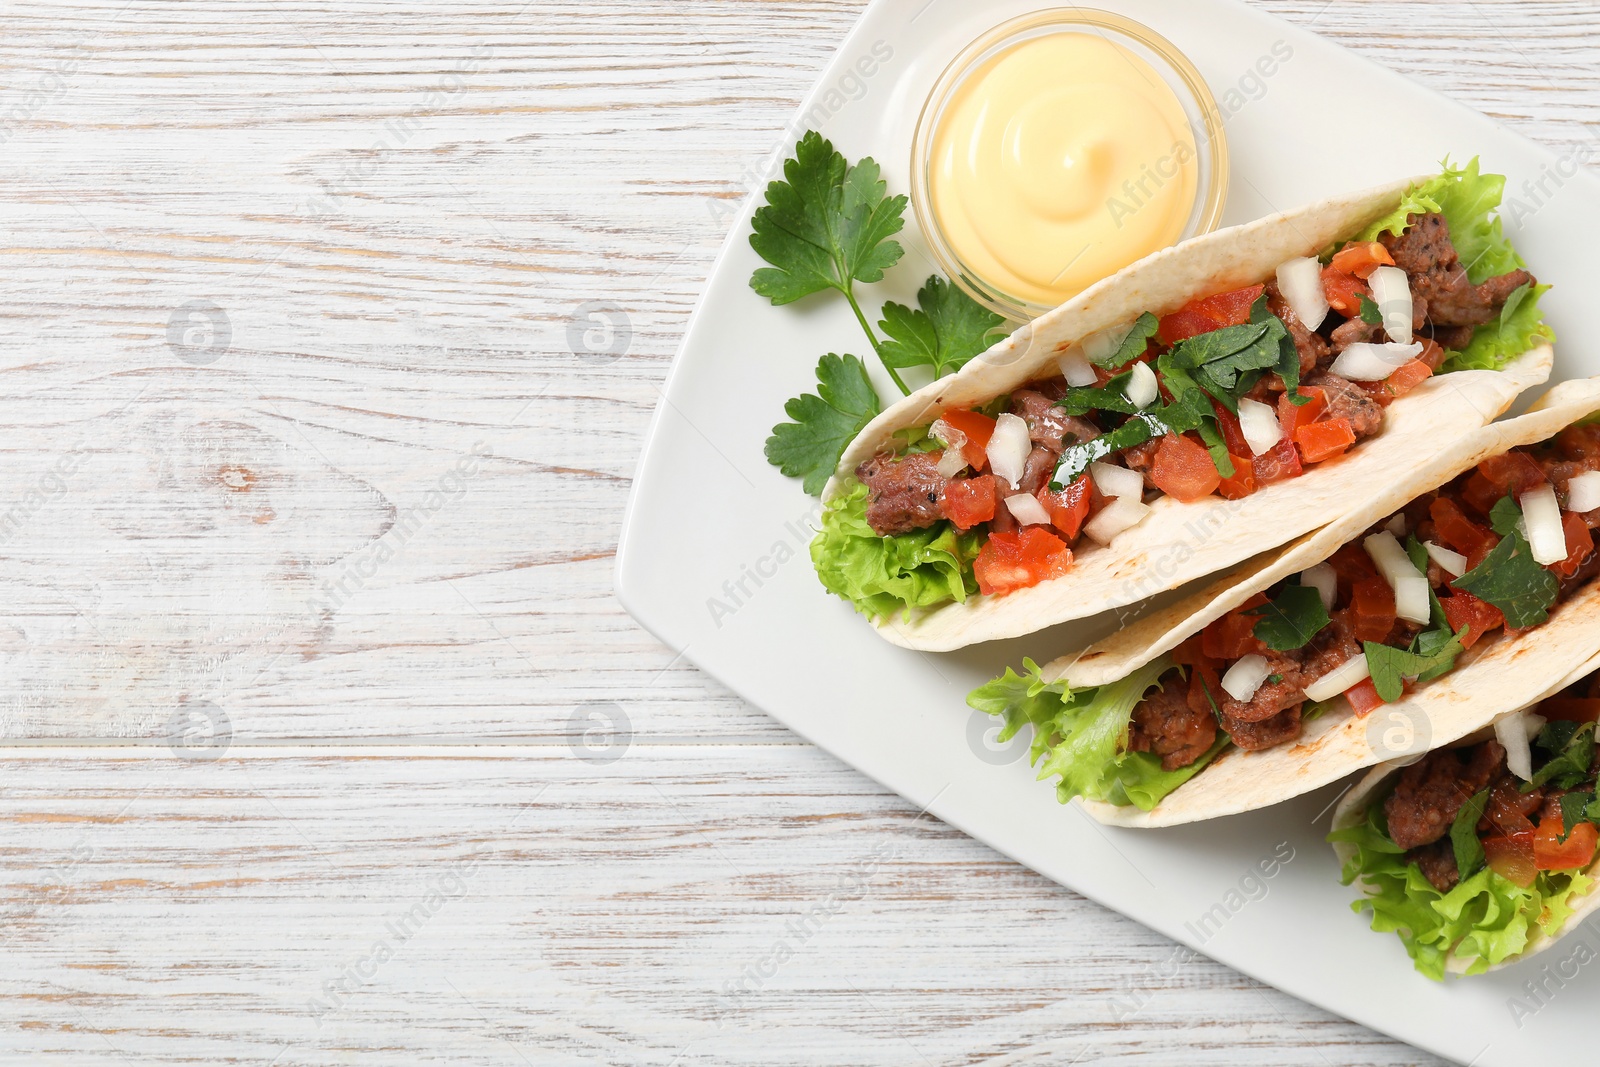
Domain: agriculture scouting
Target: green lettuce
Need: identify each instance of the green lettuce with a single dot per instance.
(1470, 202)
(1080, 736)
(882, 575)
(1484, 920)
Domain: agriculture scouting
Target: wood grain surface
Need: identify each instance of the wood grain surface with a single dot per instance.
(334, 330)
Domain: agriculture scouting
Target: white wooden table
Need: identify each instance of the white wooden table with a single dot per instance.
(326, 740)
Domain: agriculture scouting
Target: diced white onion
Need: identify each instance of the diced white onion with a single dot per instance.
(1352, 671)
(1028, 510)
(1300, 282)
(1325, 580)
(1123, 513)
(1534, 723)
(1397, 525)
(1391, 291)
(1260, 425)
(1113, 480)
(1542, 515)
(1075, 367)
(1366, 362)
(1450, 561)
(1512, 733)
(1246, 675)
(1104, 344)
(1142, 387)
(1009, 447)
(1583, 492)
(954, 461)
(1410, 587)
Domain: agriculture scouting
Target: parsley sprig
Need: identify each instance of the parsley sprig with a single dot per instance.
(828, 225)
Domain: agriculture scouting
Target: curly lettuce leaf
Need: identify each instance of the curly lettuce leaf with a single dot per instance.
(1484, 920)
(883, 575)
(1081, 737)
(1469, 200)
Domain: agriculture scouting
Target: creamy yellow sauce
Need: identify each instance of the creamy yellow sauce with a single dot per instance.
(1060, 161)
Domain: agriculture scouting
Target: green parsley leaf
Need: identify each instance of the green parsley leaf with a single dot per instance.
(1076, 459)
(1391, 666)
(1574, 809)
(1417, 552)
(1571, 766)
(1227, 362)
(1508, 577)
(1134, 345)
(947, 329)
(1369, 311)
(1112, 396)
(1291, 619)
(824, 422)
(1288, 367)
(827, 226)
(1464, 835)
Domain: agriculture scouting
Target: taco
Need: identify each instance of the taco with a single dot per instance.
(1482, 853)
(1406, 624)
(1208, 403)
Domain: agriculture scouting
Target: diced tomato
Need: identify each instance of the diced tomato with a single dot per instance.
(1571, 709)
(1183, 469)
(1580, 542)
(1070, 507)
(1433, 354)
(1232, 432)
(1292, 416)
(1478, 616)
(1372, 609)
(1188, 321)
(1011, 561)
(1233, 635)
(969, 501)
(1508, 810)
(1192, 653)
(1243, 482)
(1324, 440)
(1352, 565)
(1456, 531)
(1550, 853)
(1407, 378)
(979, 428)
(1512, 858)
(1344, 291)
(1363, 696)
(1361, 258)
(1231, 308)
(1279, 463)
(1511, 473)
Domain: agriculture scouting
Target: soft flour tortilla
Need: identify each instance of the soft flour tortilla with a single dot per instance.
(1178, 543)
(1352, 809)
(1492, 679)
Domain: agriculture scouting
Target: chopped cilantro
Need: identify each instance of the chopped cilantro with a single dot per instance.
(1464, 835)
(824, 422)
(1370, 314)
(1426, 661)
(1291, 619)
(1135, 344)
(1574, 748)
(1508, 577)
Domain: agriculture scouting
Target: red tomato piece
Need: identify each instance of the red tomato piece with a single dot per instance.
(1512, 858)
(1011, 561)
(1070, 507)
(1233, 635)
(1324, 440)
(1580, 542)
(969, 501)
(1188, 321)
(1183, 469)
(1231, 308)
(1344, 291)
(1550, 853)
(1232, 432)
(1361, 258)
(1407, 378)
(1456, 531)
(1363, 696)
(1372, 609)
(1279, 463)
(1292, 416)
(1243, 482)
(979, 428)
(1511, 473)
(1478, 616)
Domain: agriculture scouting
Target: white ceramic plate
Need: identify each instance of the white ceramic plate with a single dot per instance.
(713, 555)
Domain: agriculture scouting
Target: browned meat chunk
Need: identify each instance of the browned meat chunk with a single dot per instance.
(1164, 723)
(903, 493)
(1312, 348)
(1255, 736)
(1348, 401)
(1139, 457)
(1426, 253)
(1353, 332)
(1437, 863)
(1454, 338)
(1003, 521)
(1284, 688)
(1048, 425)
(1432, 790)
